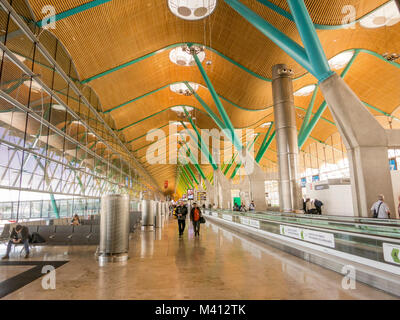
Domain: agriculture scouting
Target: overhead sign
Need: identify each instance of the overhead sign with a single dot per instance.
(391, 253)
(322, 238)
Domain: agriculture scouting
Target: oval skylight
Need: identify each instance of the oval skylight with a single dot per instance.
(192, 9)
(305, 91)
(266, 124)
(181, 88)
(387, 15)
(341, 60)
(180, 109)
(182, 56)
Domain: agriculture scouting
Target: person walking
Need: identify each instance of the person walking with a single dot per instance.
(380, 209)
(20, 234)
(195, 215)
(252, 206)
(181, 212)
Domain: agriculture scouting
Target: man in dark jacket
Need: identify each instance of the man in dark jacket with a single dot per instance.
(181, 212)
(318, 205)
(195, 215)
(19, 234)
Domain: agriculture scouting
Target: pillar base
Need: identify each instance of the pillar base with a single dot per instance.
(106, 258)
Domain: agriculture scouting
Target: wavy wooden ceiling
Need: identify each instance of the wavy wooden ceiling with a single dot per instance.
(119, 31)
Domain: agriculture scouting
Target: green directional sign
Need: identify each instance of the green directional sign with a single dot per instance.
(302, 234)
(395, 255)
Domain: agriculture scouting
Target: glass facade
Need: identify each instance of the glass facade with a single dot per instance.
(53, 137)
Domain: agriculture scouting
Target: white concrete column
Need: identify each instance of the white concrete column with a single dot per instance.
(367, 146)
(224, 190)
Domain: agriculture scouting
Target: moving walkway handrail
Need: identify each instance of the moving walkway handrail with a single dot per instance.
(361, 229)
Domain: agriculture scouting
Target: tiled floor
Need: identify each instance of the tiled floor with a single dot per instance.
(219, 265)
(7, 272)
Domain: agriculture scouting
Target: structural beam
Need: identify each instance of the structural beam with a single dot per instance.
(265, 147)
(308, 114)
(220, 107)
(309, 37)
(291, 47)
(310, 127)
(202, 146)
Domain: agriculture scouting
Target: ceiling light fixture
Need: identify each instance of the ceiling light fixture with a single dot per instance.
(192, 9)
(178, 124)
(58, 107)
(266, 124)
(341, 60)
(183, 56)
(305, 91)
(181, 88)
(387, 15)
(181, 109)
(35, 86)
(391, 56)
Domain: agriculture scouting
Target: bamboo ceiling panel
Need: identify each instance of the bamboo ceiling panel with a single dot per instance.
(153, 23)
(157, 71)
(379, 86)
(131, 29)
(165, 98)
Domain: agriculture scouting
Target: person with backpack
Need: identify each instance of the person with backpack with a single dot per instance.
(181, 212)
(195, 216)
(318, 205)
(380, 209)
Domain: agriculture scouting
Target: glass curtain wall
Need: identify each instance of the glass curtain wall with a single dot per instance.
(52, 136)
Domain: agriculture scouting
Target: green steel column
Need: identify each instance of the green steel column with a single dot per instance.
(230, 164)
(187, 178)
(196, 165)
(203, 147)
(307, 116)
(267, 135)
(192, 174)
(211, 113)
(236, 170)
(220, 107)
(264, 149)
(310, 127)
(240, 164)
(54, 205)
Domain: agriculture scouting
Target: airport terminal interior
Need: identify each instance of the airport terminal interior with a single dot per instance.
(199, 149)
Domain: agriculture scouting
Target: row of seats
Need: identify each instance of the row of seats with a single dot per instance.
(88, 233)
(68, 235)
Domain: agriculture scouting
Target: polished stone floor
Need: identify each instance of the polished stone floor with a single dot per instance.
(218, 265)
